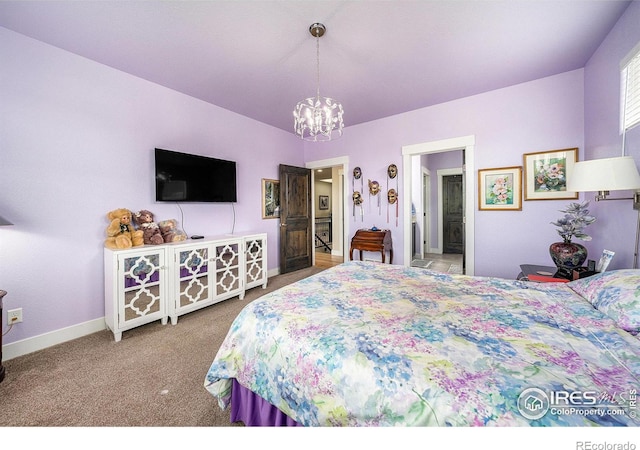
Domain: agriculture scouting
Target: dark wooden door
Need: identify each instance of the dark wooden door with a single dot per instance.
(453, 224)
(296, 241)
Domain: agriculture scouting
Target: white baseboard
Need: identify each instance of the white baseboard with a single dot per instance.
(30, 345)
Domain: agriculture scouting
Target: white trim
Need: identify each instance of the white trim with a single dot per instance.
(634, 51)
(466, 143)
(338, 222)
(36, 343)
(425, 245)
(40, 342)
(442, 173)
(629, 92)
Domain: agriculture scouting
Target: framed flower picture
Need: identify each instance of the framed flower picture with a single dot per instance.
(500, 189)
(270, 199)
(546, 174)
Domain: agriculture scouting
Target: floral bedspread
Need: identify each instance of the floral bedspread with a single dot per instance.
(370, 344)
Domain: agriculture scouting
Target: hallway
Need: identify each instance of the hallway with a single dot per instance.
(325, 260)
(446, 262)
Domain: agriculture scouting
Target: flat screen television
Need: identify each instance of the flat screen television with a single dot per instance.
(183, 177)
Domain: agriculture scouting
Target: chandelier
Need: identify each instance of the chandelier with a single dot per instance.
(318, 118)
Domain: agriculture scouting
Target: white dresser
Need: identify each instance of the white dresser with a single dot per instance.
(157, 282)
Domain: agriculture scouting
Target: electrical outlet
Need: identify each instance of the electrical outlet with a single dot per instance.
(14, 316)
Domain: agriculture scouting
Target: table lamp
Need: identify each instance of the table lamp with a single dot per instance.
(605, 175)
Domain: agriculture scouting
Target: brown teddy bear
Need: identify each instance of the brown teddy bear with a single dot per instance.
(170, 231)
(120, 232)
(151, 231)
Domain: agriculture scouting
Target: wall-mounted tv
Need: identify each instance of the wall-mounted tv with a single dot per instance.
(183, 177)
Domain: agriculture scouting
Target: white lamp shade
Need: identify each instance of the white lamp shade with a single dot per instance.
(607, 174)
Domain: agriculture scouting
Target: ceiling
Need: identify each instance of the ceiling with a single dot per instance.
(378, 58)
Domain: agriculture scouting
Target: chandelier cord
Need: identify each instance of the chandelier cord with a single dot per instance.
(318, 66)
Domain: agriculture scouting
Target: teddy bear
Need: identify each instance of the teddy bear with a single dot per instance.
(151, 231)
(120, 232)
(170, 231)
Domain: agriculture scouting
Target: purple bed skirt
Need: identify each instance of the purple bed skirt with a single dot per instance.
(254, 411)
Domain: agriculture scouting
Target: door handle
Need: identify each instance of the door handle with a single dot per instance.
(283, 224)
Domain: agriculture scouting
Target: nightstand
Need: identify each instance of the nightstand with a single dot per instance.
(547, 274)
(528, 269)
(540, 274)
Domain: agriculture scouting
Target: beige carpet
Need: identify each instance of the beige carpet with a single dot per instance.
(153, 377)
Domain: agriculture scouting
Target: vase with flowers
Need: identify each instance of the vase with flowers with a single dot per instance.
(569, 255)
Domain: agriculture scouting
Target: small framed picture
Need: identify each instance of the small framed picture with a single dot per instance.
(546, 174)
(500, 189)
(323, 202)
(270, 199)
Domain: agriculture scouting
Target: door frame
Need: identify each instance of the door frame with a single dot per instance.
(425, 244)
(342, 162)
(466, 143)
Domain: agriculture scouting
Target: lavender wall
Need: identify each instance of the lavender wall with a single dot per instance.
(541, 115)
(77, 142)
(616, 221)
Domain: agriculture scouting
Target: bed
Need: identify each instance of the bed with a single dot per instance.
(370, 344)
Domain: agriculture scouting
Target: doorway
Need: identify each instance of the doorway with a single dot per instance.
(467, 145)
(452, 215)
(329, 227)
(444, 252)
